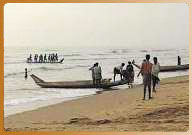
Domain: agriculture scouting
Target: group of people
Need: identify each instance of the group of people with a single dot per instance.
(96, 74)
(43, 58)
(125, 74)
(148, 71)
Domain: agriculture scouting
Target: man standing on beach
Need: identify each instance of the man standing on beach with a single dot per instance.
(97, 73)
(146, 69)
(93, 74)
(130, 72)
(155, 72)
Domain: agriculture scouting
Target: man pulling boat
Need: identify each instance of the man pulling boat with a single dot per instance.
(118, 70)
(96, 74)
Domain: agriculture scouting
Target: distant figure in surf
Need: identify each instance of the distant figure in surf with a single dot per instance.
(40, 58)
(45, 58)
(56, 57)
(93, 74)
(36, 57)
(30, 58)
(26, 75)
(178, 60)
(49, 58)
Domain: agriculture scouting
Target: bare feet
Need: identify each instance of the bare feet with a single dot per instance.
(150, 97)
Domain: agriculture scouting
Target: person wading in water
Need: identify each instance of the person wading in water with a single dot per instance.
(26, 75)
(178, 60)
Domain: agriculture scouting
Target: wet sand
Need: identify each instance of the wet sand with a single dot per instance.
(114, 110)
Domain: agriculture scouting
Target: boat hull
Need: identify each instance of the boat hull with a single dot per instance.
(174, 68)
(76, 84)
(47, 62)
(169, 68)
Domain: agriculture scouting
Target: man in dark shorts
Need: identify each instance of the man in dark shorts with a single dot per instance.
(130, 72)
(146, 69)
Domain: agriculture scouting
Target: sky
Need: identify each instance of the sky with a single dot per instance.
(96, 25)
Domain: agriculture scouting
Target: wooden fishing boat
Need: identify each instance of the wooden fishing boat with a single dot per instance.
(39, 62)
(76, 84)
(174, 68)
(170, 68)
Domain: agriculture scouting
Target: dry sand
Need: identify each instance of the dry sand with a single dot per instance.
(115, 110)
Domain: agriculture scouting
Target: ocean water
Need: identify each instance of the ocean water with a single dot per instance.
(22, 95)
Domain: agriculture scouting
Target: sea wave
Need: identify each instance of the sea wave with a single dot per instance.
(49, 50)
(162, 50)
(85, 59)
(27, 89)
(79, 59)
(104, 58)
(120, 51)
(70, 55)
(16, 62)
(47, 68)
(125, 51)
(14, 102)
(34, 69)
(55, 94)
(143, 51)
(56, 68)
(99, 54)
(83, 65)
(114, 51)
(13, 74)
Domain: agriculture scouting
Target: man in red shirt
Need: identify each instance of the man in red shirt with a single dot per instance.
(146, 70)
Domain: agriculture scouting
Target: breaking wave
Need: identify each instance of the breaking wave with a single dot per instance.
(13, 74)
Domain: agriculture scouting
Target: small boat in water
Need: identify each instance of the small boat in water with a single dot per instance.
(43, 62)
(76, 84)
(169, 68)
(174, 68)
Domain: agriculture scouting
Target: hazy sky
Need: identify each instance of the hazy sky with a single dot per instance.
(123, 25)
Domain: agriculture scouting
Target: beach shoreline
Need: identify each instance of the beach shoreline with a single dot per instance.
(113, 110)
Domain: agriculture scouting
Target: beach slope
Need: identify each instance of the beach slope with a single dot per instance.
(114, 110)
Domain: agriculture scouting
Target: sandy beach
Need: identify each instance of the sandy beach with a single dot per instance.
(113, 110)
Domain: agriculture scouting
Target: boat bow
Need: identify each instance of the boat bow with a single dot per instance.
(36, 79)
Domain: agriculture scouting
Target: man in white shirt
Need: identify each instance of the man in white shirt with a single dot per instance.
(155, 72)
(118, 70)
(97, 73)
